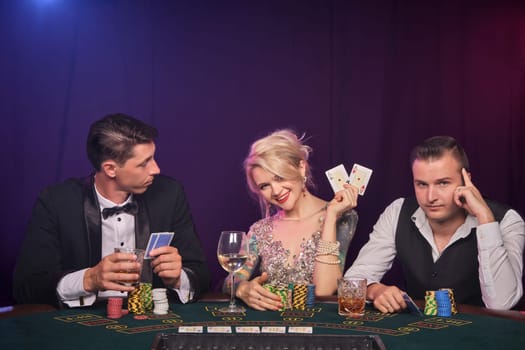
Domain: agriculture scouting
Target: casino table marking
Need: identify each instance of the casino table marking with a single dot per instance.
(292, 321)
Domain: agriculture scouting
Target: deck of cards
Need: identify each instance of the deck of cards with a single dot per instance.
(359, 177)
(157, 240)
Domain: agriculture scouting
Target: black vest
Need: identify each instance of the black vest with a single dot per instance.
(456, 268)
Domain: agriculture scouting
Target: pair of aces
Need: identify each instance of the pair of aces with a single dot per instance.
(359, 177)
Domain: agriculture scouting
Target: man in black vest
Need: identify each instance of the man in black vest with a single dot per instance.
(448, 236)
(68, 253)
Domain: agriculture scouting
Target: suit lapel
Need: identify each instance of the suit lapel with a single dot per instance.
(142, 233)
(92, 221)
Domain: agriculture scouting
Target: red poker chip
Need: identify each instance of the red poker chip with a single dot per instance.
(115, 300)
(113, 309)
(125, 311)
(140, 317)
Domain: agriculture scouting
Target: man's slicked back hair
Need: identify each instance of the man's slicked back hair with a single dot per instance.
(435, 147)
(114, 136)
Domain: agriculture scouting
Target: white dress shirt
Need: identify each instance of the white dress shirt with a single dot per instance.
(500, 252)
(117, 231)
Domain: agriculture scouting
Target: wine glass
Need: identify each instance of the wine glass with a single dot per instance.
(232, 252)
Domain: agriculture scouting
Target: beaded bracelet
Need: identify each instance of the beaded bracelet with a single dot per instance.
(328, 262)
(332, 254)
(327, 248)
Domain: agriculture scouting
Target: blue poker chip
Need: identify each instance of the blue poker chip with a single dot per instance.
(310, 295)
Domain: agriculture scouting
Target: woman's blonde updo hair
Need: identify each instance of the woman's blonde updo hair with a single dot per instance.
(279, 153)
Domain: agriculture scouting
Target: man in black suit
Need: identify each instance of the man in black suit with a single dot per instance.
(68, 253)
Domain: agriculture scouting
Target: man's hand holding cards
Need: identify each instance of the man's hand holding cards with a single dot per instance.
(411, 306)
(157, 240)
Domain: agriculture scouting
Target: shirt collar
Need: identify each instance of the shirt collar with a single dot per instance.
(420, 220)
(106, 203)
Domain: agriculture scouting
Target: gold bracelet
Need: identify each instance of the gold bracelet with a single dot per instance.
(328, 262)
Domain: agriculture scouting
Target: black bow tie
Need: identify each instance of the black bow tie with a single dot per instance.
(130, 208)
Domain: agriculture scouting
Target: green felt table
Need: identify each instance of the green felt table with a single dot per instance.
(89, 328)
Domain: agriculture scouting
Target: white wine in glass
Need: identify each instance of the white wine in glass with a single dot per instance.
(232, 253)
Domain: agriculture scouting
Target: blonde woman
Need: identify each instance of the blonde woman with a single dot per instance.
(302, 239)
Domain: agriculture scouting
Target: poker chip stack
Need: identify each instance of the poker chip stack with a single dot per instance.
(160, 301)
(285, 293)
(453, 306)
(430, 303)
(289, 296)
(444, 307)
(114, 308)
(282, 291)
(146, 297)
(300, 292)
(269, 287)
(310, 297)
(135, 303)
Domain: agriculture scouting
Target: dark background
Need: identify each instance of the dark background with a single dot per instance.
(365, 80)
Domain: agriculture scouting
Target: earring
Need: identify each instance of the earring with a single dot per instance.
(304, 186)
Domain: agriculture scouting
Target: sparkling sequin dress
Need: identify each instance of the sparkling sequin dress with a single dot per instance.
(273, 258)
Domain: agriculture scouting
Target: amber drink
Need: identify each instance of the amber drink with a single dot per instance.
(138, 256)
(351, 296)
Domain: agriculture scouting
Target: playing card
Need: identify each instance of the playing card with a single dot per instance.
(412, 307)
(359, 177)
(337, 177)
(157, 240)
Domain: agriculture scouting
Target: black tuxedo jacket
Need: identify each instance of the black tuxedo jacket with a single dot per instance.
(64, 235)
